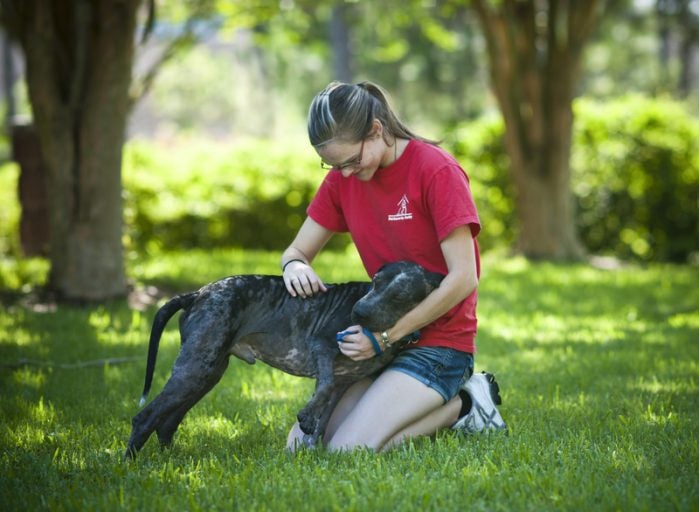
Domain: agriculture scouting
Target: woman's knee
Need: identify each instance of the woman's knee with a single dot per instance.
(295, 438)
(392, 402)
(345, 405)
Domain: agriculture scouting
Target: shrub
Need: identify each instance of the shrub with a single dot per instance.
(636, 178)
(635, 167)
(203, 194)
(479, 147)
(10, 211)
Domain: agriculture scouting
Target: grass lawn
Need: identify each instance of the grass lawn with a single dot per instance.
(598, 370)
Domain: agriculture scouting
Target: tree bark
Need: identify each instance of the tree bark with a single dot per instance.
(340, 44)
(688, 57)
(534, 49)
(79, 56)
(678, 24)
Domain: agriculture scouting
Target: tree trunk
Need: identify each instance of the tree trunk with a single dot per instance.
(534, 49)
(687, 54)
(79, 56)
(340, 44)
(33, 197)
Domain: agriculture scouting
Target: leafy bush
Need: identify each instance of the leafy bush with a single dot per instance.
(254, 194)
(635, 167)
(480, 148)
(636, 178)
(204, 194)
(10, 211)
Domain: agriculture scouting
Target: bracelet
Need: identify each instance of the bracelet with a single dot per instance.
(386, 341)
(291, 261)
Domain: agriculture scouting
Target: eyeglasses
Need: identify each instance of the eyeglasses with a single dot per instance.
(347, 165)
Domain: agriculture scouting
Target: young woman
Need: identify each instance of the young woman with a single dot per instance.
(401, 197)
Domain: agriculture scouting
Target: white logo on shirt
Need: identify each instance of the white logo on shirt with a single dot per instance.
(403, 213)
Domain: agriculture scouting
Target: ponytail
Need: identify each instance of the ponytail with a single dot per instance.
(346, 112)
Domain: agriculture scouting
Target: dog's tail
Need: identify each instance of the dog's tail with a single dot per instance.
(161, 319)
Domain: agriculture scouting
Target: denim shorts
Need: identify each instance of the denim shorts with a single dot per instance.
(440, 368)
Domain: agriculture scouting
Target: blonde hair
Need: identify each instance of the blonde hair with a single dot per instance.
(347, 111)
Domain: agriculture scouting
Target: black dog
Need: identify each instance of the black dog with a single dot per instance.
(254, 317)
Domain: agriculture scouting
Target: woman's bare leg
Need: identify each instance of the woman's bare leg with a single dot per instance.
(392, 404)
(442, 417)
(342, 409)
(404, 398)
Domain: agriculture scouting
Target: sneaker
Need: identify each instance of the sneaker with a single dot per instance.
(483, 416)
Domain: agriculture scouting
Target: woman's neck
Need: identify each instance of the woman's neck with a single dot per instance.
(394, 151)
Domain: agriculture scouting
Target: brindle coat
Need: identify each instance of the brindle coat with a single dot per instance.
(254, 317)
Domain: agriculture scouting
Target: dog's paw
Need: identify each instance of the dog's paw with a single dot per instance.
(307, 422)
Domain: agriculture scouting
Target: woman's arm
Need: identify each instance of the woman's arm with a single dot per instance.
(460, 282)
(299, 277)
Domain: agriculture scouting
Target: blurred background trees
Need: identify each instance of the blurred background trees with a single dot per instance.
(217, 154)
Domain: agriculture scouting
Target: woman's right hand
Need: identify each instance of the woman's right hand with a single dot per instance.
(301, 280)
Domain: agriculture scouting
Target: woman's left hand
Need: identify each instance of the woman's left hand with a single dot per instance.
(356, 345)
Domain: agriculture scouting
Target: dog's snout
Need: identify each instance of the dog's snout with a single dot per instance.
(359, 313)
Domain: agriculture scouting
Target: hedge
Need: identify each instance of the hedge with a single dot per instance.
(207, 194)
(635, 178)
(635, 170)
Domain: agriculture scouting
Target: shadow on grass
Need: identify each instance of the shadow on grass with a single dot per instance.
(597, 370)
(584, 344)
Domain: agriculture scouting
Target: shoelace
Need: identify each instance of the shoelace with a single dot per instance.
(488, 419)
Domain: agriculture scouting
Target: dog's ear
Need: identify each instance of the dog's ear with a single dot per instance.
(434, 279)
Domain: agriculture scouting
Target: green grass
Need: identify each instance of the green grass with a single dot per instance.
(598, 371)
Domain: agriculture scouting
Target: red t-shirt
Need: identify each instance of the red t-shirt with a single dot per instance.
(403, 213)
